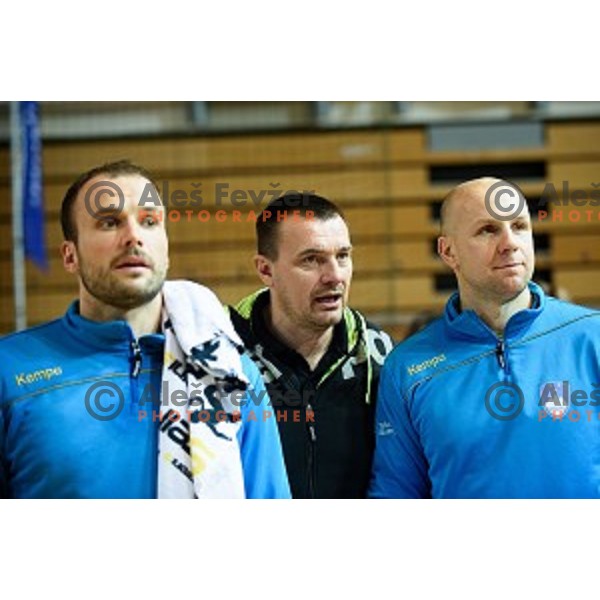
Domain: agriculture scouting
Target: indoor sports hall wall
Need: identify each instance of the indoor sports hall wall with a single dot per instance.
(388, 178)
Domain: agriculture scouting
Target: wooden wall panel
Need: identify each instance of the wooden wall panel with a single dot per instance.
(380, 178)
(565, 138)
(575, 249)
(581, 283)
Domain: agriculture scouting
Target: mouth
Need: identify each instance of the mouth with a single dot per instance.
(329, 300)
(132, 262)
(509, 266)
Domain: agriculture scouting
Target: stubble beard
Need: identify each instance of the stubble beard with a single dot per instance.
(108, 289)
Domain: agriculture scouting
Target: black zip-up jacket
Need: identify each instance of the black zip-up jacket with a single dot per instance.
(325, 416)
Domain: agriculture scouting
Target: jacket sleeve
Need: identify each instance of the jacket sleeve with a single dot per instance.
(3, 475)
(399, 465)
(380, 346)
(262, 458)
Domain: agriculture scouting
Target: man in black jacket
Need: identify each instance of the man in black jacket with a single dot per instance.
(320, 359)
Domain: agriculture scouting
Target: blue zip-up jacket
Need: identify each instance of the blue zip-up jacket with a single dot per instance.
(52, 447)
(464, 414)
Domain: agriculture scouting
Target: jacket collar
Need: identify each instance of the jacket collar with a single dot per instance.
(336, 349)
(350, 335)
(468, 325)
(251, 307)
(102, 335)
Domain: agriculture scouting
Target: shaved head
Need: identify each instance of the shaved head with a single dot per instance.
(486, 239)
(458, 196)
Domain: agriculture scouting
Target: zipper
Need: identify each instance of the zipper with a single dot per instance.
(137, 358)
(312, 449)
(135, 371)
(501, 356)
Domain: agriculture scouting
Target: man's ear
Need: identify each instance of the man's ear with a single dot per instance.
(446, 251)
(69, 256)
(264, 268)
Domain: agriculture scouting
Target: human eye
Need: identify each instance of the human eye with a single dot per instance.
(108, 222)
(521, 225)
(310, 259)
(487, 229)
(150, 219)
(344, 256)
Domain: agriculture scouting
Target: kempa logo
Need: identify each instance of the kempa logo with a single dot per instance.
(35, 376)
(426, 364)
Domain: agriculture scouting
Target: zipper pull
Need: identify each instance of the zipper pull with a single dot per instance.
(310, 421)
(137, 358)
(500, 354)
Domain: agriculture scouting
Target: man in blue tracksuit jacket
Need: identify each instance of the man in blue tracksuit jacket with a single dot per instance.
(499, 398)
(57, 440)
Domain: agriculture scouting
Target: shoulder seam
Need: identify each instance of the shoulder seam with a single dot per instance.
(555, 328)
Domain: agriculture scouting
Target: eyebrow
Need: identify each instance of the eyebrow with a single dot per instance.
(490, 219)
(107, 212)
(324, 250)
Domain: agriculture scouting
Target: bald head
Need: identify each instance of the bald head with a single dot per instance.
(458, 199)
(487, 241)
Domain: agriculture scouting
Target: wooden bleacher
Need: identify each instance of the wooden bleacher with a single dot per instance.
(381, 178)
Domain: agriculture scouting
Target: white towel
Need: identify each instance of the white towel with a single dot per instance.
(199, 454)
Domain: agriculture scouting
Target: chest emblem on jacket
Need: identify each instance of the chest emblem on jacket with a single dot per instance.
(430, 363)
(39, 375)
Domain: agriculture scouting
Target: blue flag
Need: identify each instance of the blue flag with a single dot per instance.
(33, 196)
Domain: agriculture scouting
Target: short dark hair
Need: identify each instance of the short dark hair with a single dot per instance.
(111, 169)
(303, 205)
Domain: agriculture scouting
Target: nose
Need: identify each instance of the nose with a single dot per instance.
(332, 272)
(508, 240)
(132, 233)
